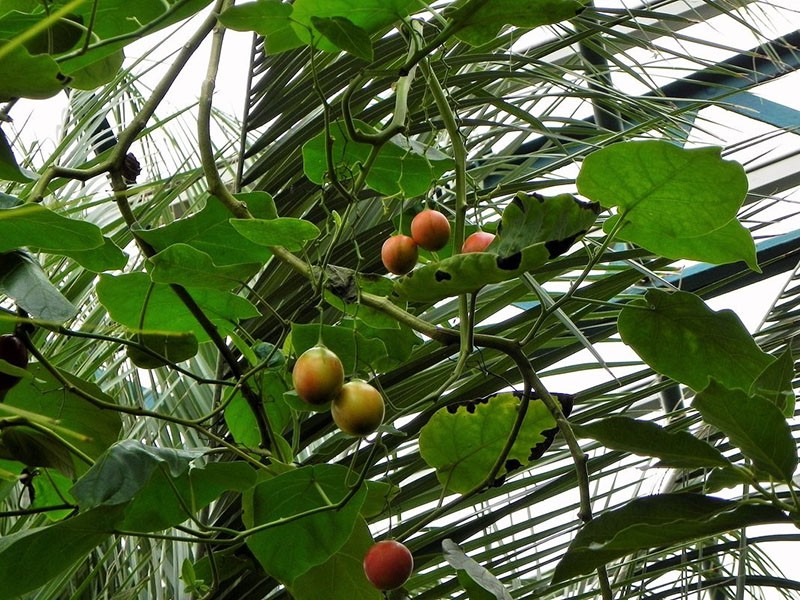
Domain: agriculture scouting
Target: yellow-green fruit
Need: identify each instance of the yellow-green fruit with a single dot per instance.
(318, 375)
(358, 409)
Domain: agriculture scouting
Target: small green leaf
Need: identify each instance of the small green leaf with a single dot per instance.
(125, 469)
(530, 219)
(678, 449)
(463, 442)
(173, 346)
(341, 577)
(477, 27)
(35, 448)
(656, 521)
(210, 231)
(400, 168)
(189, 267)
(290, 233)
(288, 550)
(9, 169)
(481, 576)
(23, 280)
(753, 424)
(239, 417)
(269, 18)
(344, 34)
(39, 227)
(678, 335)
(775, 383)
(465, 273)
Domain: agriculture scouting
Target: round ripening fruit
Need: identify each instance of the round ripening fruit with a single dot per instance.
(430, 230)
(14, 352)
(477, 242)
(318, 375)
(399, 254)
(358, 409)
(388, 564)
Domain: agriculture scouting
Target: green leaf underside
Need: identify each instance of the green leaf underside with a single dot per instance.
(775, 383)
(189, 267)
(24, 281)
(42, 394)
(289, 550)
(125, 296)
(398, 169)
(678, 449)
(9, 169)
(480, 26)
(663, 189)
(341, 577)
(39, 227)
(655, 521)
(283, 231)
(464, 446)
(344, 34)
(107, 257)
(730, 243)
(474, 571)
(465, 273)
(286, 28)
(23, 75)
(74, 538)
(210, 231)
(681, 337)
(124, 469)
(753, 424)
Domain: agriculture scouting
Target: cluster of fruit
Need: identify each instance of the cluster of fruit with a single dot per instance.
(14, 352)
(430, 230)
(356, 407)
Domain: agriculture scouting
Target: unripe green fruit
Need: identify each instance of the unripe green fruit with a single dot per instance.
(358, 409)
(430, 230)
(399, 254)
(318, 375)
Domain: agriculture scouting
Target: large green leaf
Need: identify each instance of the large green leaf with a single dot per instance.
(678, 449)
(341, 577)
(210, 231)
(668, 195)
(775, 383)
(480, 26)
(37, 226)
(23, 280)
(127, 297)
(345, 34)
(678, 335)
(400, 168)
(754, 424)
(185, 265)
(464, 442)
(465, 273)
(239, 417)
(288, 550)
(655, 521)
(22, 568)
(23, 75)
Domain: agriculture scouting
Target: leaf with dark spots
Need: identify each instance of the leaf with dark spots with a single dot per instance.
(513, 464)
(443, 276)
(557, 247)
(510, 263)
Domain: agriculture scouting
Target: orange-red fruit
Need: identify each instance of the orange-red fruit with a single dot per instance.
(388, 564)
(358, 409)
(14, 352)
(318, 375)
(399, 254)
(477, 242)
(430, 230)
